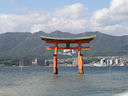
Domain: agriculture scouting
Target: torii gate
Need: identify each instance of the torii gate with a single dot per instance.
(68, 41)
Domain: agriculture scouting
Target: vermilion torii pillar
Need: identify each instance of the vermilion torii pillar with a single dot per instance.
(55, 69)
(80, 59)
(68, 41)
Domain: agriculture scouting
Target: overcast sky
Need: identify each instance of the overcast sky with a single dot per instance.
(76, 16)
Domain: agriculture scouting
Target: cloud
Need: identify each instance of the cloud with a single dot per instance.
(20, 22)
(112, 20)
(68, 18)
(71, 18)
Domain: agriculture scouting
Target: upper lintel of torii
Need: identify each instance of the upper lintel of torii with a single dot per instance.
(85, 39)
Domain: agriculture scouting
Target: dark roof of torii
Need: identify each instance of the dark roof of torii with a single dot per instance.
(65, 40)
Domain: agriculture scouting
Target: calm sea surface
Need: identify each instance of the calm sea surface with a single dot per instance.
(39, 81)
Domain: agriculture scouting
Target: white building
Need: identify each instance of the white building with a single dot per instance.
(68, 52)
(34, 62)
(117, 61)
(110, 61)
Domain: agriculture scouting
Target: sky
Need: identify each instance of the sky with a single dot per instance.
(76, 16)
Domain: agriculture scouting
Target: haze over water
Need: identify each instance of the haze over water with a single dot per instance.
(39, 81)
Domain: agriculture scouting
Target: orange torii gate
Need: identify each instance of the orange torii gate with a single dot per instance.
(68, 41)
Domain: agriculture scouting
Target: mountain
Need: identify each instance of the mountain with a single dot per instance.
(28, 45)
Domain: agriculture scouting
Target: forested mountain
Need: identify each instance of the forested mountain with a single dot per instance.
(26, 44)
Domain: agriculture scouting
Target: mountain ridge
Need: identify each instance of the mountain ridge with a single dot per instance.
(27, 45)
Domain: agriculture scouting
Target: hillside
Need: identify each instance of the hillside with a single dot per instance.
(27, 45)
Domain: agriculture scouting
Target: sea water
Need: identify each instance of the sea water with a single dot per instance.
(39, 81)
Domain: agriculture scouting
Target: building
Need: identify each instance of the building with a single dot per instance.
(34, 62)
(117, 61)
(25, 62)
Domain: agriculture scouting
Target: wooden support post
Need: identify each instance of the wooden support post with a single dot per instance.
(55, 69)
(80, 60)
